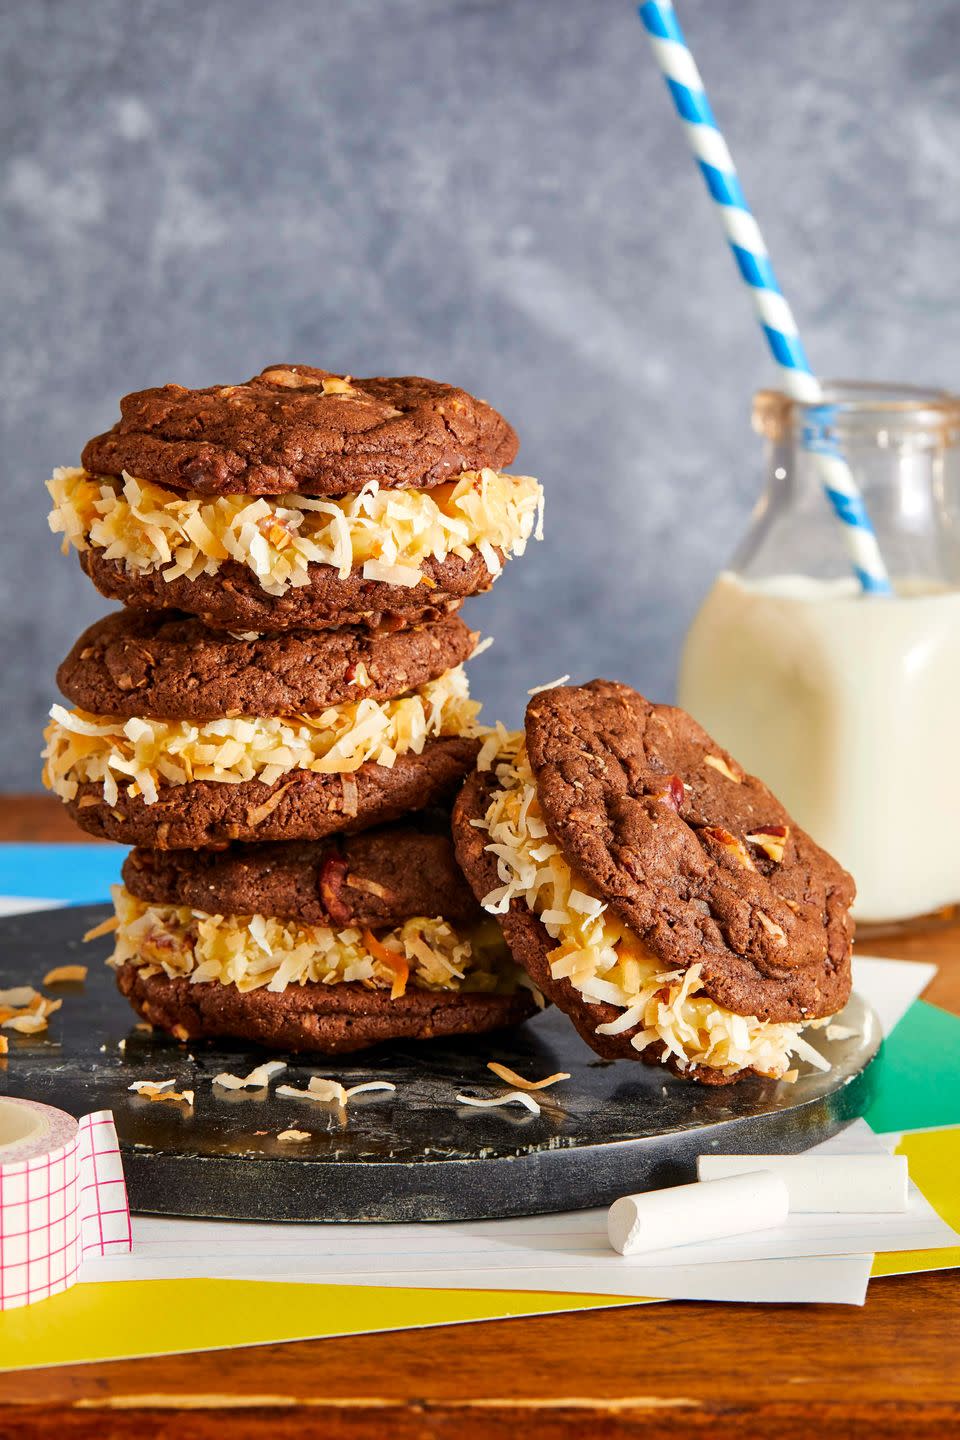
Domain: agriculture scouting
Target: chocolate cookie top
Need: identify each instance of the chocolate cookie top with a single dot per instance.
(171, 667)
(697, 857)
(293, 427)
(378, 878)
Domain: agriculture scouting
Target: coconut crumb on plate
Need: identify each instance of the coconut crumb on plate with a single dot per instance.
(293, 1137)
(160, 1090)
(106, 927)
(503, 1072)
(327, 1091)
(25, 1010)
(66, 975)
(18, 997)
(840, 1032)
(512, 1097)
(255, 1080)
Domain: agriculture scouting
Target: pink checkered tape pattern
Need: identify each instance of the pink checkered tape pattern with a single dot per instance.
(62, 1196)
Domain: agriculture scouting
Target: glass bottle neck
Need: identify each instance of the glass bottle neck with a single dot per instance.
(909, 477)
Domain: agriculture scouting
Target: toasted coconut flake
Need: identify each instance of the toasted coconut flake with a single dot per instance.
(292, 1137)
(497, 741)
(512, 1097)
(324, 1092)
(25, 1024)
(149, 755)
(550, 685)
(254, 951)
(350, 795)
(327, 1092)
(518, 1082)
(260, 812)
(106, 927)
(160, 1090)
(387, 533)
(255, 1080)
(19, 997)
(840, 1032)
(31, 1017)
(66, 975)
(406, 575)
(397, 963)
(369, 887)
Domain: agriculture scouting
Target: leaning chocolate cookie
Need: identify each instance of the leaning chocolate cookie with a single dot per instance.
(658, 894)
(296, 428)
(187, 738)
(325, 947)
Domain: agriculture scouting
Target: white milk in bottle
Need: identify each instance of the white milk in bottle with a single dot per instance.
(848, 705)
(849, 709)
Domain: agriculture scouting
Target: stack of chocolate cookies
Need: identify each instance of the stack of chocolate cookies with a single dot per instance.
(279, 717)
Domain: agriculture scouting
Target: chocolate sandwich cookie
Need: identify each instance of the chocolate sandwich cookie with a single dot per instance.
(374, 878)
(187, 738)
(328, 947)
(658, 894)
(174, 668)
(299, 500)
(296, 428)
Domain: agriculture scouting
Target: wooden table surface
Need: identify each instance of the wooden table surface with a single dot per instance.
(676, 1370)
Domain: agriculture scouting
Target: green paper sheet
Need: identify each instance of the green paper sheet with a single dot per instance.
(918, 1074)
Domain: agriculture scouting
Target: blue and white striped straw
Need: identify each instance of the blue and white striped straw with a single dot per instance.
(776, 318)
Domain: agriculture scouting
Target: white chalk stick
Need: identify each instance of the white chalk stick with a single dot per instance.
(829, 1184)
(685, 1214)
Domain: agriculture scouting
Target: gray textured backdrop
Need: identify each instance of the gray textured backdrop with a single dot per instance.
(493, 192)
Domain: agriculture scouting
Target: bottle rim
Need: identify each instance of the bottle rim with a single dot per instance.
(862, 406)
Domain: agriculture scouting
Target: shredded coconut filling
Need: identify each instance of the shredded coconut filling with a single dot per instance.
(257, 951)
(389, 533)
(606, 961)
(145, 754)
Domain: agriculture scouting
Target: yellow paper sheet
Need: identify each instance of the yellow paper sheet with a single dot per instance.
(127, 1318)
(934, 1160)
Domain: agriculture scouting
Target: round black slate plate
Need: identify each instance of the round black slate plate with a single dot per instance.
(413, 1155)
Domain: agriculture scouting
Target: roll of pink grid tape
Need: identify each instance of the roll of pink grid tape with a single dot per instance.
(62, 1196)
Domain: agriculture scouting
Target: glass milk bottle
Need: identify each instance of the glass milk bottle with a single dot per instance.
(847, 705)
